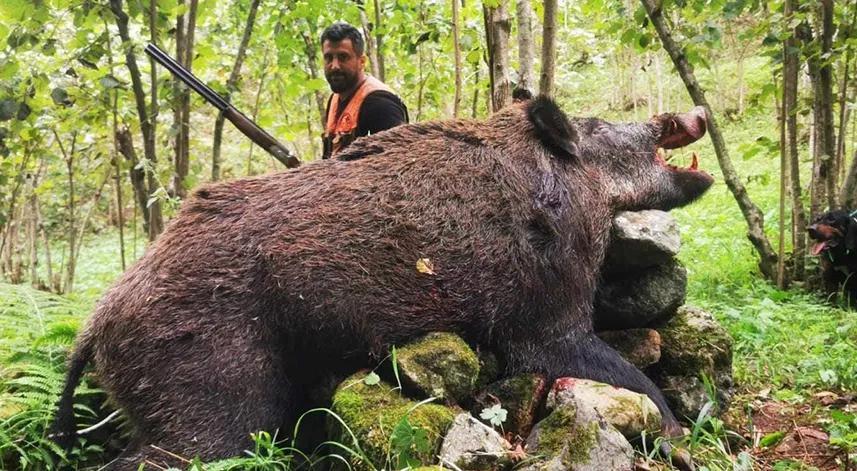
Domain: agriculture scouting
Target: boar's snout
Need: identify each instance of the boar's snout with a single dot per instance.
(679, 130)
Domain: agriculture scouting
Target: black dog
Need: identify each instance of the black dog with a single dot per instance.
(836, 246)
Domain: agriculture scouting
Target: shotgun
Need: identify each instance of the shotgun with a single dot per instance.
(243, 123)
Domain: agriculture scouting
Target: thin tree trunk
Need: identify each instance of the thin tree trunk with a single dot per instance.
(231, 84)
(526, 47)
(740, 84)
(755, 218)
(85, 221)
(313, 72)
(256, 106)
(659, 80)
(147, 127)
(137, 175)
(379, 42)
(43, 232)
(790, 85)
(546, 84)
(781, 248)
(368, 37)
(473, 112)
(117, 180)
(828, 130)
(500, 27)
(19, 181)
(68, 156)
(456, 42)
(845, 111)
(33, 227)
(184, 52)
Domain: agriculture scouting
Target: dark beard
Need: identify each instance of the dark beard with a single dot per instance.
(340, 82)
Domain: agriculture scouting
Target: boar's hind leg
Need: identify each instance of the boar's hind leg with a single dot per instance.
(588, 357)
(203, 398)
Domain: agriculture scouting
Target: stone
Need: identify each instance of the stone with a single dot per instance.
(629, 412)
(641, 347)
(565, 442)
(471, 445)
(519, 395)
(641, 240)
(654, 295)
(692, 343)
(371, 412)
(439, 365)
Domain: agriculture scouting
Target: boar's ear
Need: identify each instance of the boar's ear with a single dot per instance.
(552, 126)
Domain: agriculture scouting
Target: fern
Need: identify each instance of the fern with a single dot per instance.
(36, 331)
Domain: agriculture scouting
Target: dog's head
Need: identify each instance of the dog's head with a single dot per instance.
(835, 232)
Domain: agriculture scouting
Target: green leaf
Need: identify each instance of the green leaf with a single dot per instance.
(60, 97)
(8, 109)
(371, 379)
(179, 10)
(8, 69)
(110, 82)
(771, 439)
(495, 414)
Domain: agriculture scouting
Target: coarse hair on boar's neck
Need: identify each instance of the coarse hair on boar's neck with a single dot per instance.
(262, 287)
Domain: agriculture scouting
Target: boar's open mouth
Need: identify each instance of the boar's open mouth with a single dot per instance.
(679, 130)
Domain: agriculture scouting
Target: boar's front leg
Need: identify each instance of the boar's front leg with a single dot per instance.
(585, 356)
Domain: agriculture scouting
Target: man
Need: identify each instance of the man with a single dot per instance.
(361, 104)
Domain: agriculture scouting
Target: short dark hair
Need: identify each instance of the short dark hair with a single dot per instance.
(340, 31)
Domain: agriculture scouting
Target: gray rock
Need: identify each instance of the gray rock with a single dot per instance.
(471, 445)
(519, 395)
(439, 365)
(692, 343)
(641, 347)
(653, 295)
(563, 442)
(629, 412)
(641, 240)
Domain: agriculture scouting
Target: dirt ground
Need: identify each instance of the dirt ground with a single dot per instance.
(803, 444)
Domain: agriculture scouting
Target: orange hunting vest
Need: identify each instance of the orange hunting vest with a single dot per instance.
(341, 132)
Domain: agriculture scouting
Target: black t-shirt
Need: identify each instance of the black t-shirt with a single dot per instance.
(380, 110)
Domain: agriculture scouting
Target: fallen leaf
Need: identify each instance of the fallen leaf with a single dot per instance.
(812, 433)
(424, 265)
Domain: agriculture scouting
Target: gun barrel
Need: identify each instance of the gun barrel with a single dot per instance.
(188, 78)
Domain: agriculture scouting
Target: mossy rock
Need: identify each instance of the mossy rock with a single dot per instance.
(692, 344)
(373, 411)
(519, 395)
(562, 441)
(439, 365)
(693, 341)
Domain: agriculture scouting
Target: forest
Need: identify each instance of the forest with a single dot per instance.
(100, 147)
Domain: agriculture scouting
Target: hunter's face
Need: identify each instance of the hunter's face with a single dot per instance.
(342, 66)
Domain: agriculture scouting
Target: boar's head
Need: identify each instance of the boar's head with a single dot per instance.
(627, 157)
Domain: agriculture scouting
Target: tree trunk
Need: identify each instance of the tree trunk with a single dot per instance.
(790, 85)
(546, 84)
(829, 141)
(844, 110)
(740, 84)
(755, 218)
(68, 283)
(456, 42)
(312, 63)
(379, 43)
(33, 228)
(137, 175)
(19, 182)
(256, 105)
(473, 112)
(43, 232)
(184, 53)
(147, 127)
(499, 28)
(781, 248)
(231, 86)
(526, 47)
(368, 38)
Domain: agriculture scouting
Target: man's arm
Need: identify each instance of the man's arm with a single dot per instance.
(380, 111)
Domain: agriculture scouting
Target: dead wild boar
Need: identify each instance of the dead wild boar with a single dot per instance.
(262, 286)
